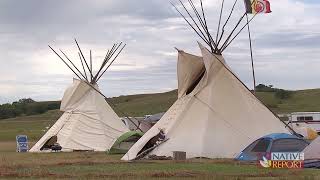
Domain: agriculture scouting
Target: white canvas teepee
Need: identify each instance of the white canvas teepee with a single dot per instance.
(312, 152)
(88, 122)
(217, 119)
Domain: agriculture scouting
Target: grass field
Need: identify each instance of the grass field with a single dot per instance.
(100, 165)
(33, 126)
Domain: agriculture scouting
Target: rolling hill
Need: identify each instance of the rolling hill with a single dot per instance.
(139, 105)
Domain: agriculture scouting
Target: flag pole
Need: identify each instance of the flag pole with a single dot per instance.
(251, 55)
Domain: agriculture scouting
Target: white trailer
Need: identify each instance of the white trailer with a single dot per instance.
(305, 119)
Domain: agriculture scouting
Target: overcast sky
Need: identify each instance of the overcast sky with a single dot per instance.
(286, 44)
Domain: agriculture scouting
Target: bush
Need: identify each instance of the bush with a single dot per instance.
(264, 88)
(36, 108)
(26, 106)
(7, 111)
(282, 94)
(53, 105)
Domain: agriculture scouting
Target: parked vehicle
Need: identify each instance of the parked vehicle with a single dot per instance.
(276, 142)
(305, 119)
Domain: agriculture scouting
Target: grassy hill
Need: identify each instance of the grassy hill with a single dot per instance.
(302, 100)
(142, 104)
(138, 105)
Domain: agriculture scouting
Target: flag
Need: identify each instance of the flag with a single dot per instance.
(257, 6)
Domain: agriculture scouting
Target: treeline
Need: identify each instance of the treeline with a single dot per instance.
(26, 107)
(278, 93)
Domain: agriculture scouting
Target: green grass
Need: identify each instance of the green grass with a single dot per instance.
(101, 166)
(33, 126)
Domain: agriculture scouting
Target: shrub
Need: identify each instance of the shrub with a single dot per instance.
(282, 94)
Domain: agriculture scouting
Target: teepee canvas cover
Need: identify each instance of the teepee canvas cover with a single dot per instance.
(217, 118)
(88, 122)
(312, 152)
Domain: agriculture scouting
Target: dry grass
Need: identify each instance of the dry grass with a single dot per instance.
(90, 165)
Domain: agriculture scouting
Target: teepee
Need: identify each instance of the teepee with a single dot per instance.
(88, 122)
(215, 116)
(312, 152)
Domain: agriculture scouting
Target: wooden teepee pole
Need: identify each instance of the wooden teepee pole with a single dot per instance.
(251, 55)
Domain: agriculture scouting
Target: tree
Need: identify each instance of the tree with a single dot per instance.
(282, 94)
(7, 111)
(264, 88)
(26, 101)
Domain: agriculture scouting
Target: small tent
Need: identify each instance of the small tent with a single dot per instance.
(88, 122)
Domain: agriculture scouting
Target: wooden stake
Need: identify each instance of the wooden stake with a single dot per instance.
(84, 59)
(221, 9)
(224, 47)
(251, 55)
(111, 62)
(84, 69)
(71, 63)
(91, 77)
(224, 25)
(65, 62)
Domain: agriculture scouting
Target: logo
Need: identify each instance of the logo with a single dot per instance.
(265, 163)
(282, 160)
(261, 6)
(258, 6)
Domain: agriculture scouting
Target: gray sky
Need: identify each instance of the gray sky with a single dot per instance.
(286, 44)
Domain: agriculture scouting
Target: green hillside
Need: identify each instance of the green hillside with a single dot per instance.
(302, 100)
(142, 104)
(139, 105)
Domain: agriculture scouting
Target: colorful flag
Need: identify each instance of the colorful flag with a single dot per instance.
(257, 6)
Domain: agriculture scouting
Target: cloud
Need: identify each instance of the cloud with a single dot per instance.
(285, 43)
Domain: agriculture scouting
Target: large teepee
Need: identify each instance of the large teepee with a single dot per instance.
(88, 122)
(215, 116)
